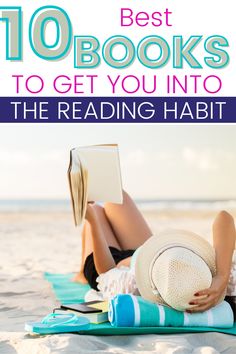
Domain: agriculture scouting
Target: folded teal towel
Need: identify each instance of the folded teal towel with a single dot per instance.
(127, 310)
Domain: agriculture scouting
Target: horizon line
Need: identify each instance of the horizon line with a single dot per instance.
(138, 200)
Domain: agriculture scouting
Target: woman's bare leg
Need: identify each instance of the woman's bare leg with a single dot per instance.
(103, 237)
(98, 244)
(128, 224)
(85, 243)
(107, 230)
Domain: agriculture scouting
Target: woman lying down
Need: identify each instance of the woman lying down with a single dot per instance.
(176, 268)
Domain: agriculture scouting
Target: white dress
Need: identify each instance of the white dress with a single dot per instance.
(122, 281)
(231, 289)
(116, 281)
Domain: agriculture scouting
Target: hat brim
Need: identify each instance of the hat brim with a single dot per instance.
(166, 239)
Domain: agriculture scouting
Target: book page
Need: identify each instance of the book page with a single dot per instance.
(104, 176)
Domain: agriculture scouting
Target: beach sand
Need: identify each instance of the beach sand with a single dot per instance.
(32, 243)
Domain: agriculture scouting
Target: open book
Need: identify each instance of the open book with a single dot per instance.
(94, 175)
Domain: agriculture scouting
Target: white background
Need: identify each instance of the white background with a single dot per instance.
(102, 20)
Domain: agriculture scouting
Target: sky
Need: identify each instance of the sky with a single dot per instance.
(157, 161)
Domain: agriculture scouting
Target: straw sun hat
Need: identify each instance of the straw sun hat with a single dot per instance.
(171, 267)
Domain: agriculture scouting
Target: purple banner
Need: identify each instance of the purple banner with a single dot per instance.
(118, 110)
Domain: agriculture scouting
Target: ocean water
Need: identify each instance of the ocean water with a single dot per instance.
(64, 205)
(35, 205)
(185, 205)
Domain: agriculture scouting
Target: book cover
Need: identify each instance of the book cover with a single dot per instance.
(94, 176)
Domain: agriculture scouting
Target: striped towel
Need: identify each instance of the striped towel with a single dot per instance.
(126, 310)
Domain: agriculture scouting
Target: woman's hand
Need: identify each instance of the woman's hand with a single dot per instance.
(212, 295)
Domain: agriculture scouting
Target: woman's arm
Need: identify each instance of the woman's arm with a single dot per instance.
(224, 243)
(224, 236)
(103, 259)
